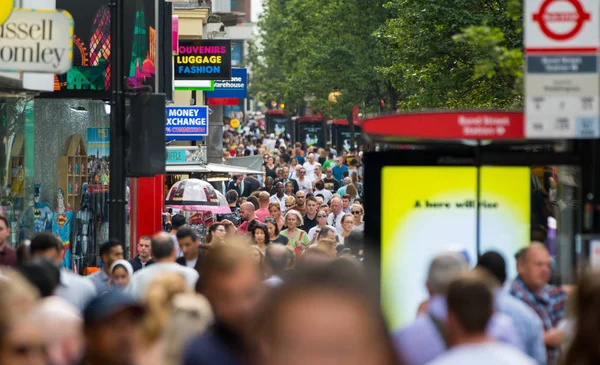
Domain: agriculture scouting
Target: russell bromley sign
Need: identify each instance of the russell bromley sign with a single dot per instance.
(37, 41)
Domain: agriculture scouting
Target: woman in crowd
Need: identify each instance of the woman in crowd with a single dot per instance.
(293, 164)
(216, 234)
(261, 237)
(347, 226)
(121, 271)
(358, 212)
(353, 192)
(275, 213)
(290, 203)
(289, 189)
(321, 223)
(159, 305)
(269, 168)
(356, 183)
(298, 239)
(273, 228)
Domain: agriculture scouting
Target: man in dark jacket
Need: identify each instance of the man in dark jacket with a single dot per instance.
(190, 246)
(144, 256)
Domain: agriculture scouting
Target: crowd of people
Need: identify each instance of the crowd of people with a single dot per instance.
(282, 280)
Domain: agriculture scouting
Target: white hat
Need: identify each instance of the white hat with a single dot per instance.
(271, 135)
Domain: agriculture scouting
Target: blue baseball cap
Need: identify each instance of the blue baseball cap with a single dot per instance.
(108, 305)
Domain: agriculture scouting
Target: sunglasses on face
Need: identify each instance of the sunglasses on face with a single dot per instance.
(356, 212)
(321, 216)
(288, 206)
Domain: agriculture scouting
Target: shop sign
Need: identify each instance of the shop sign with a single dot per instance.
(451, 125)
(562, 89)
(6, 8)
(175, 33)
(186, 155)
(37, 41)
(203, 60)
(236, 87)
(186, 123)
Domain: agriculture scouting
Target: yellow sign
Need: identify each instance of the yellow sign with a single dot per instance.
(6, 8)
(234, 123)
(426, 210)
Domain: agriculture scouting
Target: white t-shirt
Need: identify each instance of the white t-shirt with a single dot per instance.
(305, 185)
(191, 263)
(489, 353)
(326, 194)
(310, 169)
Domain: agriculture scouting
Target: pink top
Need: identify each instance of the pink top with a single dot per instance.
(262, 214)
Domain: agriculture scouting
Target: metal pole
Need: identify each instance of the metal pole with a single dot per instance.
(117, 203)
(478, 199)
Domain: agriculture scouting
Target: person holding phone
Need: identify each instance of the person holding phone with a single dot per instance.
(313, 233)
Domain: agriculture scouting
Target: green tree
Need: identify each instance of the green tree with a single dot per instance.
(454, 53)
(309, 47)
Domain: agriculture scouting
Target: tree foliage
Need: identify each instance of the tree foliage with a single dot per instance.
(309, 47)
(415, 54)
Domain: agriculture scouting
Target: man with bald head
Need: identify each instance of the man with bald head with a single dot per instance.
(277, 258)
(163, 250)
(336, 215)
(247, 214)
(548, 301)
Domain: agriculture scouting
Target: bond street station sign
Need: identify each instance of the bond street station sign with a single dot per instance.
(37, 41)
(562, 84)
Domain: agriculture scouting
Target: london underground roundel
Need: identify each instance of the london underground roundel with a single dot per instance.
(561, 20)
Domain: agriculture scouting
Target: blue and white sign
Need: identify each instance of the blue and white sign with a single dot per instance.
(186, 123)
(237, 87)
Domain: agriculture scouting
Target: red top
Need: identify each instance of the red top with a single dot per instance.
(8, 256)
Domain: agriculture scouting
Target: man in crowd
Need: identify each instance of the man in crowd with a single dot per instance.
(336, 215)
(110, 251)
(309, 166)
(346, 199)
(286, 178)
(177, 221)
(548, 301)
(247, 213)
(264, 199)
(144, 256)
(242, 185)
(269, 182)
(276, 258)
(232, 283)
(470, 304)
(111, 325)
(73, 288)
(234, 216)
(339, 168)
(331, 183)
(279, 196)
(8, 256)
(62, 326)
(301, 202)
(190, 246)
(163, 249)
(527, 323)
(310, 219)
(426, 338)
(304, 182)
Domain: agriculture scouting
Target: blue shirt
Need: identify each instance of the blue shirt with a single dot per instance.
(75, 289)
(526, 322)
(216, 346)
(339, 171)
(100, 280)
(421, 342)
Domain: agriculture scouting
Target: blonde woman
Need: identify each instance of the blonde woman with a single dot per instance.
(192, 315)
(358, 212)
(159, 304)
(275, 213)
(298, 239)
